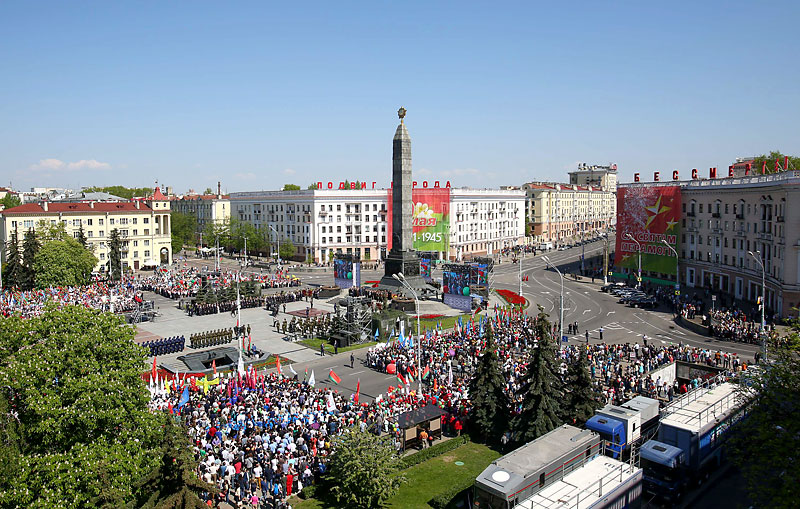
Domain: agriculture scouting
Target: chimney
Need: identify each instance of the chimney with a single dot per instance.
(44, 205)
(219, 190)
(91, 204)
(136, 202)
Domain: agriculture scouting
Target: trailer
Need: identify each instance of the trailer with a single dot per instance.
(688, 446)
(622, 426)
(523, 472)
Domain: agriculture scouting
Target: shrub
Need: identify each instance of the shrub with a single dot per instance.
(442, 500)
(436, 450)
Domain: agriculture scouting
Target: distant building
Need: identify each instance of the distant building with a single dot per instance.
(144, 226)
(206, 208)
(98, 196)
(604, 177)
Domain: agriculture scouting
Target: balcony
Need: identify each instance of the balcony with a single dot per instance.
(323, 212)
(690, 214)
(740, 216)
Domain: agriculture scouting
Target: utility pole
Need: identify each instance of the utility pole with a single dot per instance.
(605, 259)
(520, 277)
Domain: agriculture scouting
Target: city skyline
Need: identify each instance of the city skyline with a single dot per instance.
(261, 96)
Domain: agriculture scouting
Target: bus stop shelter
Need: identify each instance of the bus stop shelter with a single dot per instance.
(411, 423)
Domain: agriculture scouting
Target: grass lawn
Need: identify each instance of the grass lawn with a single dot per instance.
(429, 478)
(448, 322)
(434, 476)
(315, 342)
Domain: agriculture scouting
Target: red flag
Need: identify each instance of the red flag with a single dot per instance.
(358, 391)
(214, 365)
(278, 364)
(153, 372)
(333, 377)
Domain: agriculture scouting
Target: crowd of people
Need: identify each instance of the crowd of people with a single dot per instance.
(115, 297)
(733, 325)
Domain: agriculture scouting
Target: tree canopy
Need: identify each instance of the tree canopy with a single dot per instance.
(10, 200)
(287, 250)
(12, 268)
(291, 187)
(121, 191)
(363, 470)
(114, 254)
(775, 155)
(63, 263)
(490, 402)
(80, 434)
(184, 227)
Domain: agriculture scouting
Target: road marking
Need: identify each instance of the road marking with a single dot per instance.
(356, 372)
(679, 332)
(610, 312)
(586, 311)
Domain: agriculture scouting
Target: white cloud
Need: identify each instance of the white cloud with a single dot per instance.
(289, 171)
(57, 164)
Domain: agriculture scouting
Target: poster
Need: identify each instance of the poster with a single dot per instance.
(651, 214)
(343, 275)
(455, 286)
(425, 267)
(430, 219)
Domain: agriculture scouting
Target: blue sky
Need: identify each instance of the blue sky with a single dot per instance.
(265, 93)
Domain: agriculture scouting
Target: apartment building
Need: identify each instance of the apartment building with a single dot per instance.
(564, 213)
(206, 208)
(144, 226)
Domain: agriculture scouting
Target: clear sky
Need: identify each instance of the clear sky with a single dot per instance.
(265, 93)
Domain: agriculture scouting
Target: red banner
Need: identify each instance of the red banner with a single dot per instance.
(651, 215)
(431, 219)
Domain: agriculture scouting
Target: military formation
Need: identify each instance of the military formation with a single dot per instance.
(165, 346)
(211, 338)
(211, 308)
(308, 327)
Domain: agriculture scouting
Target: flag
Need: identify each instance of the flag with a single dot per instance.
(305, 375)
(333, 377)
(153, 372)
(278, 364)
(214, 366)
(330, 405)
(377, 333)
(292, 370)
(401, 339)
(205, 383)
(240, 364)
(426, 372)
(400, 379)
(312, 381)
(358, 391)
(184, 398)
(450, 376)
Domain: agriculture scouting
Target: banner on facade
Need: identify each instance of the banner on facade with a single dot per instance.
(430, 220)
(651, 215)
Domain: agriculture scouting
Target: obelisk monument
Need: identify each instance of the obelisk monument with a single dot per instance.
(402, 258)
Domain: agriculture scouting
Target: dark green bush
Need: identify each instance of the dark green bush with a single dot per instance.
(436, 450)
(442, 500)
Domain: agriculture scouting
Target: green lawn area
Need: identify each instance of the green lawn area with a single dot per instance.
(448, 322)
(429, 478)
(315, 342)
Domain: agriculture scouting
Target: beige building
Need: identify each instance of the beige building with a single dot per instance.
(207, 208)
(604, 177)
(565, 213)
(144, 226)
(722, 219)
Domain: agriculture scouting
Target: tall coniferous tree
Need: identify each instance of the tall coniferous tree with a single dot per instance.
(81, 236)
(490, 401)
(114, 255)
(581, 399)
(541, 389)
(12, 270)
(30, 246)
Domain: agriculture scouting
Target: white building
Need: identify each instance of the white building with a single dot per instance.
(321, 222)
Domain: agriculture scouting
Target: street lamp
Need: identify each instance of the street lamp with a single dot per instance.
(561, 300)
(402, 279)
(639, 249)
(677, 270)
(279, 243)
(760, 261)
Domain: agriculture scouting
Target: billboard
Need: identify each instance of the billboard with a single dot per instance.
(650, 215)
(346, 271)
(455, 286)
(427, 260)
(430, 219)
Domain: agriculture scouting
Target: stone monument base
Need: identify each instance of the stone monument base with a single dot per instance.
(407, 263)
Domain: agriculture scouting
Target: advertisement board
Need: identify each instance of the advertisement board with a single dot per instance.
(430, 219)
(650, 215)
(427, 259)
(455, 286)
(346, 271)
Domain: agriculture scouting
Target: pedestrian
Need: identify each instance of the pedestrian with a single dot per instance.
(352, 360)
(336, 346)
(322, 349)
(587, 336)
(601, 334)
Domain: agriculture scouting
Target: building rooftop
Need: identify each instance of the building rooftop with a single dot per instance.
(700, 407)
(82, 207)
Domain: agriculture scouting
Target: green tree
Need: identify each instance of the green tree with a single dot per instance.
(364, 470)
(81, 238)
(173, 482)
(221, 229)
(184, 227)
(540, 387)
(764, 446)
(775, 155)
(291, 187)
(208, 191)
(63, 263)
(122, 191)
(46, 231)
(241, 230)
(13, 271)
(83, 434)
(30, 248)
(581, 401)
(288, 250)
(10, 200)
(115, 255)
(331, 256)
(487, 391)
(313, 186)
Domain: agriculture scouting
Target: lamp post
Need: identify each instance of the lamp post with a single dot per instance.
(561, 300)
(677, 270)
(279, 243)
(760, 261)
(605, 257)
(639, 249)
(402, 279)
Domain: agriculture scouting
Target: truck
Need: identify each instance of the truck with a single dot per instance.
(688, 445)
(545, 246)
(563, 469)
(622, 426)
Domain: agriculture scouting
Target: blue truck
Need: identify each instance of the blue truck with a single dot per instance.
(688, 446)
(621, 426)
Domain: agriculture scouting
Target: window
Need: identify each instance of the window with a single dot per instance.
(100, 222)
(135, 243)
(123, 221)
(89, 222)
(102, 256)
(111, 220)
(136, 254)
(146, 220)
(146, 231)
(136, 232)
(134, 220)
(90, 234)
(101, 233)
(147, 253)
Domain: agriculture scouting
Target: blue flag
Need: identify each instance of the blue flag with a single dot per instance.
(184, 398)
(377, 333)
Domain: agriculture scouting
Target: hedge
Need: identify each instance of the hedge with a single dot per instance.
(442, 500)
(436, 450)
